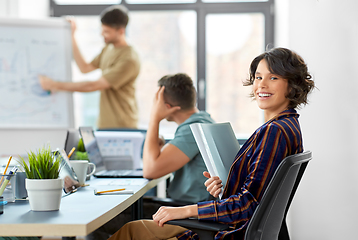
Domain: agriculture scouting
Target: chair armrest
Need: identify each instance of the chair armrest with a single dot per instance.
(166, 201)
(202, 225)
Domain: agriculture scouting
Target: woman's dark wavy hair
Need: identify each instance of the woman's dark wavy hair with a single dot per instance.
(288, 65)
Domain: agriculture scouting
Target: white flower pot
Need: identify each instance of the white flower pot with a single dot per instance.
(44, 194)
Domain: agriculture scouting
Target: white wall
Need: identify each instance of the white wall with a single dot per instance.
(325, 34)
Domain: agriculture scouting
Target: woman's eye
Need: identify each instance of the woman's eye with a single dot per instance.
(273, 78)
(258, 78)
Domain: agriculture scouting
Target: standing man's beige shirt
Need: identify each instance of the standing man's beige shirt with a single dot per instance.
(120, 67)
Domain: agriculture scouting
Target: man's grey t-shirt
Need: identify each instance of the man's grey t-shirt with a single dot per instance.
(188, 181)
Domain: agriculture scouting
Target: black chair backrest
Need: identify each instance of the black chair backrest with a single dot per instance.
(270, 214)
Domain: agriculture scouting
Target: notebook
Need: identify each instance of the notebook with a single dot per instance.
(218, 146)
(94, 156)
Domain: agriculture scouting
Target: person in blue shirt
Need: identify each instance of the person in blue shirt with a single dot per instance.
(176, 101)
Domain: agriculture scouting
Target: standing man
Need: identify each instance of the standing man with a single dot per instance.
(120, 67)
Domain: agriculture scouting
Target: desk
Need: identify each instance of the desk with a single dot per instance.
(80, 213)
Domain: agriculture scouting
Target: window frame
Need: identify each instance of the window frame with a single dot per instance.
(202, 9)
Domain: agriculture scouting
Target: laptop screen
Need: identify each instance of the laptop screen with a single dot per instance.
(91, 146)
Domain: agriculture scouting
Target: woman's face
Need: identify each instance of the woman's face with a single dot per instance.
(270, 91)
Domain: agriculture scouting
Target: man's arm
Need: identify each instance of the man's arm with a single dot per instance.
(167, 161)
(86, 86)
(81, 63)
(157, 162)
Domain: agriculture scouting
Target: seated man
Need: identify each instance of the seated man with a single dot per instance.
(174, 101)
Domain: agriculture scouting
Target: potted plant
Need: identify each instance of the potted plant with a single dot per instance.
(80, 153)
(43, 186)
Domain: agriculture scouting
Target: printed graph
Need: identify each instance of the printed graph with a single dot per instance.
(26, 53)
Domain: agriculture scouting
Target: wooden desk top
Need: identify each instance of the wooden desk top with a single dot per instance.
(80, 213)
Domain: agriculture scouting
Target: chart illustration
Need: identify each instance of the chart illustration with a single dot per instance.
(26, 53)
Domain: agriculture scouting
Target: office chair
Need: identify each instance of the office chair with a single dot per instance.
(269, 219)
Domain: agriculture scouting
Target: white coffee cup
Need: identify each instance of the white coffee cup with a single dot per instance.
(81, 167)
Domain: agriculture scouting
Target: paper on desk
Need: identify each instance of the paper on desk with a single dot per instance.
(121, 182)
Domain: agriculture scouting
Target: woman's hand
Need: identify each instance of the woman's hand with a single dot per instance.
(165, 214)
(213, 184)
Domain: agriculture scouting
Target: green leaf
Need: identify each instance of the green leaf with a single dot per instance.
(41, 165)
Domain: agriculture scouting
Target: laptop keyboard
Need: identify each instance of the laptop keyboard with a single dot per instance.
(114, 173)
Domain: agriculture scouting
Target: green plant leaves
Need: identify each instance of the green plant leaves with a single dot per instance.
(80, 156)
(41, 165)
(80, 146)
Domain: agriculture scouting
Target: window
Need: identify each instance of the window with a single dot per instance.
(223, 1)
(159, 1)
(212, 41)
(166, 48)
(90, 43)
(85, 2)
(233, 40)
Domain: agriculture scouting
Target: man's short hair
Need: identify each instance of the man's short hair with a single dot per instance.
(179, 90)
(115, 16)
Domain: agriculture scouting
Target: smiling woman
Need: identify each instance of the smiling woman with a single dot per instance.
(254, 164)
(270, 91)
(289, 72)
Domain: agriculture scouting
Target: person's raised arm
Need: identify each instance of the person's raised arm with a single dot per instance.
(157, 162)
(85, 86)
(80, 61)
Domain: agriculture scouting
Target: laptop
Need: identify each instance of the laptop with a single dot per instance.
(94, 156)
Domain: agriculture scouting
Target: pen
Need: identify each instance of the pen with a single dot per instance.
(8, 163)
(108, 191)
(70, 153)
(7, 179)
